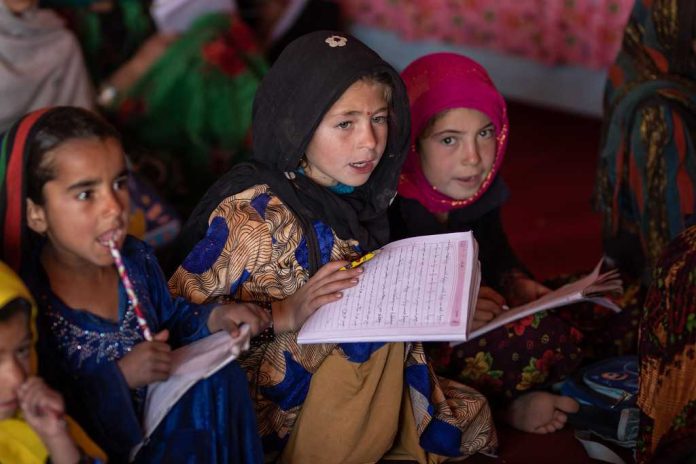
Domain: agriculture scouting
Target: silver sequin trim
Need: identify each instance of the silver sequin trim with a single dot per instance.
(80, 344)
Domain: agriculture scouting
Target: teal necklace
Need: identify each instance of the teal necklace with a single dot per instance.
(339, 188)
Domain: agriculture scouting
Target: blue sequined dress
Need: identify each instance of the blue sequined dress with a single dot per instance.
(212, 423)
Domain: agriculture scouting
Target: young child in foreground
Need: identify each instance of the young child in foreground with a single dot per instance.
(33, 425)
(66, 179)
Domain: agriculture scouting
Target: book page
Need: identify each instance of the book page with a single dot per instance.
(414, 289)
(587, 288)
(190, 363)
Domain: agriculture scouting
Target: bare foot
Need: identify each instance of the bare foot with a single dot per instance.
(540, 412)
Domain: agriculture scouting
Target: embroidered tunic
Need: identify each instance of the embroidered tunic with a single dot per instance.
(79, 351)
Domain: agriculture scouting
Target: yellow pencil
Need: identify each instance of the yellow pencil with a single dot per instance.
(363, 259)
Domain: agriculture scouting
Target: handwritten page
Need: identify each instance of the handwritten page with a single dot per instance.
(190, 363)
(592, 287)
(419, 288)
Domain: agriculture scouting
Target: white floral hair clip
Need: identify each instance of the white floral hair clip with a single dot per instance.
(336, 41)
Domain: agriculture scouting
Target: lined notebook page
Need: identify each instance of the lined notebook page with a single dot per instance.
(190, 363)
(414, 289)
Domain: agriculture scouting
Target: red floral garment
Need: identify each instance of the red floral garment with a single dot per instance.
(540, 350)
(531, 353)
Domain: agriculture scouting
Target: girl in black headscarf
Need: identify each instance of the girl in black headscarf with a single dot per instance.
(331, 129)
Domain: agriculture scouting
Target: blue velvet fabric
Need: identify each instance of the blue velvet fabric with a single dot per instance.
(293, 389)
(208, 250)
(78, 352)
(325, 238)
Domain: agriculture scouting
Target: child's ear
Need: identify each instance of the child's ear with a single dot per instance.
(36, 217)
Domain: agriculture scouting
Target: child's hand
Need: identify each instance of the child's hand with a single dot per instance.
(523, 290)
(324, 287)
(147, 362)
(43, 409)
(229, 316)
(489, 304)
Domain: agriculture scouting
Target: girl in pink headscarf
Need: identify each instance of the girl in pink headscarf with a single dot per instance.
(450, 183)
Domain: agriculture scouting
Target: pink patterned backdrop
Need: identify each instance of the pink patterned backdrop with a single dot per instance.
(579, 32)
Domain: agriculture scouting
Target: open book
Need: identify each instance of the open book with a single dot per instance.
(420, 288)
(592, 288)
(425, 289)
(190, 363)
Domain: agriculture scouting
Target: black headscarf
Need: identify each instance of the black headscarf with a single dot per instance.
(307, 79)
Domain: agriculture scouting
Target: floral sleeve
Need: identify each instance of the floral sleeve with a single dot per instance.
(238, 240)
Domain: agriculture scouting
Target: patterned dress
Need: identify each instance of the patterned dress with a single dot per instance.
(326, 403)
(212, 422)
(646, 172)
(667, 350)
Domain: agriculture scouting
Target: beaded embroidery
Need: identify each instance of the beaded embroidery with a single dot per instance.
(80, 344)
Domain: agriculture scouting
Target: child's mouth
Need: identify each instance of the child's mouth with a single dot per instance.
(362, 166)
(113, 235)
(468, 179)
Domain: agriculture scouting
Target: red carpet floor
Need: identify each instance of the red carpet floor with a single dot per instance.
(550, 168)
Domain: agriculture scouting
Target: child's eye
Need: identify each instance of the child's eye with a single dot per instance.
(83, 196)
(344, 124)
(121, 183)
(24, 351)
(380, 119)
(487, 133)
(447, 141)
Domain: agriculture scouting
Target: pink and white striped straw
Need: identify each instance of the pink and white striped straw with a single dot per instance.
(130, 291)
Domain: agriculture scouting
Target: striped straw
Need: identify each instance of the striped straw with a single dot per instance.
(130, 291)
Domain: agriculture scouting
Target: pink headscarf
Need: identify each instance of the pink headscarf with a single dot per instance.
(439, 82)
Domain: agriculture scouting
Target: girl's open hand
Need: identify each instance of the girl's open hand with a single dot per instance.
(147, 362)
(489, 304)
(229, 316)
(324, 287)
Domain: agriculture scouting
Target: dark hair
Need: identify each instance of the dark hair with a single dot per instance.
(15, 306)
(383, 79)
(52, 129)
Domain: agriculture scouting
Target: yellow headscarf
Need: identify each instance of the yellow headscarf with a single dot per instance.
(18, 441)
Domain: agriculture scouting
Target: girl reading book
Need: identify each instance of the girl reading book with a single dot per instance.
(331, 129)
(65, 181)
(450, 182)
